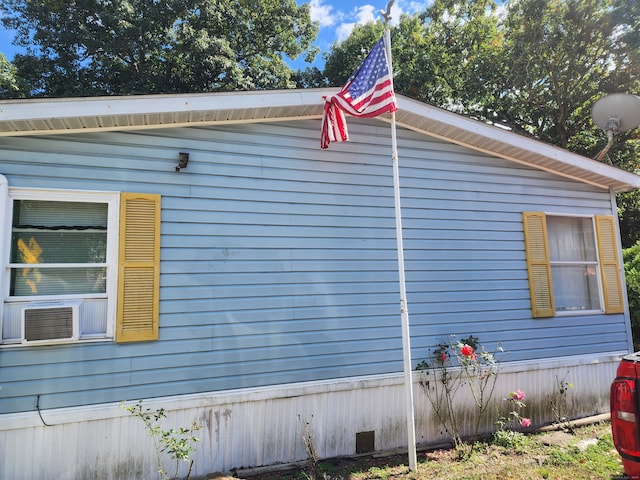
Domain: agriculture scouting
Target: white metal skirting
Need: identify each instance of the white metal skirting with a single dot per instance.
(265, 426)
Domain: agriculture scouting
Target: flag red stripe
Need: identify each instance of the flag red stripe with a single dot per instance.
(334, 126)
(375, 75)
(384, 87)
(385, 102)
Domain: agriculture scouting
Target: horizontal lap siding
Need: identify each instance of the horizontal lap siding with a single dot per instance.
(278, 260)
(466, 269)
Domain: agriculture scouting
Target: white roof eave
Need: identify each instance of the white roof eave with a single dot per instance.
(503, 143)
(88, 114)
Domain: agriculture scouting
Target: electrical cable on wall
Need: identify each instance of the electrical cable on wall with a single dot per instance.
(39, 412)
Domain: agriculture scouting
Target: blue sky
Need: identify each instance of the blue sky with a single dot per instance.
(336, 18)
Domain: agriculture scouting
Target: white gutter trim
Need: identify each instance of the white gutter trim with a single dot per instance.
(124, 128)
(38, 109)
(517, 141)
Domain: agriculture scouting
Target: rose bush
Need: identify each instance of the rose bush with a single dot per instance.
(456, 365)
(507, 434)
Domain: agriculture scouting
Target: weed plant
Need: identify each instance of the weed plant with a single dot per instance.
(176, 444)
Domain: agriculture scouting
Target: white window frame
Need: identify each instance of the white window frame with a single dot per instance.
(112, 199)
(568, 313)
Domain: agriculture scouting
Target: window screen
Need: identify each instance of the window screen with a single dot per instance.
(58, 248)
(574, 263)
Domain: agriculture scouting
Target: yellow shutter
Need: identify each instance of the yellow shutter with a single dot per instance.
(139, 267)
(609, 264)
(537, 253)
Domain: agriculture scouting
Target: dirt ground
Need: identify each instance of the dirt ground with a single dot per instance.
(585, 454)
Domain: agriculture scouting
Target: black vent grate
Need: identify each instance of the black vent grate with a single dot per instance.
(48, 323)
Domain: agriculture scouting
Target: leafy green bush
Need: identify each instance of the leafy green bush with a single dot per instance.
(631, 257)
(177, 444)
(509, 439)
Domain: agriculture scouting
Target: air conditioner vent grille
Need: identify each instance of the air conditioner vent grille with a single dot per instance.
(49, 323)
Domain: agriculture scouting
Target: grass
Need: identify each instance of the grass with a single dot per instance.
(588, 453)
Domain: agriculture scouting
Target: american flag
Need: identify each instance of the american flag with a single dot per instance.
(368, 93)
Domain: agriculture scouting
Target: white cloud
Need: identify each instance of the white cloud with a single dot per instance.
(417, 6)
(322, 13)
(365, 13)
(362, 14)
(344, 30)
(396, 11)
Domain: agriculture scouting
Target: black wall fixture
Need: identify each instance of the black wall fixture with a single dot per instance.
(183, 160)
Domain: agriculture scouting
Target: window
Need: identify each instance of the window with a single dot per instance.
(82, 266)
(573, 264)
(58, 248)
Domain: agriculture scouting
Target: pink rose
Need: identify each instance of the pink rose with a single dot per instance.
(466, 350)
(518, 395)
(525, 422)
(443, 357)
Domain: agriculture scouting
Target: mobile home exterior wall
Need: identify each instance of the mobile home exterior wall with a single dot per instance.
(278, 268)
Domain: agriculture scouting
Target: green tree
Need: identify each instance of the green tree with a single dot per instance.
(445, 56)
(345, 56)
(9, 81)
(626, 14)
(560, 56)
(137, 46)
(537, 69)
(311, 77)
(459, 47)
(631, 258)
(627, 146)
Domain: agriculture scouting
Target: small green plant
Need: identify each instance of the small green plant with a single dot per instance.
(514, 419)
(544, 472)
(561, 457)
(381, 473)
(177, 444)
(559, 403)
(507, 434)
(457, 364)
(509, 439)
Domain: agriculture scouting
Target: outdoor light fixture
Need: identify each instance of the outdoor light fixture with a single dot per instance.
(616, 113)
(183, 160)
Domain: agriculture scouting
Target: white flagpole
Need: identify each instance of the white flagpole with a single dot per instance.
(404, 313)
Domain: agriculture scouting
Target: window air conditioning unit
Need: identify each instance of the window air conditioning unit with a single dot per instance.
(46, 323)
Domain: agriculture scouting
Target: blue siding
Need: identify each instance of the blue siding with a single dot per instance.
(278, 260)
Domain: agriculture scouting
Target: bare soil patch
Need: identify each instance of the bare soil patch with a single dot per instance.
(587, 453)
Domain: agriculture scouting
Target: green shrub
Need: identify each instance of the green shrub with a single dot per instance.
(631, 257)
(509, 439)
